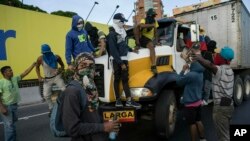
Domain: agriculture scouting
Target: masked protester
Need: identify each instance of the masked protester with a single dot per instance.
(147, 31)
(52, 73)
(77, 40)
(119, 49)
(85, 124)
(97, 38)
(222, 88)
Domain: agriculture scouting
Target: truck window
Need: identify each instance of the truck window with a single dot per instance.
(166, 34)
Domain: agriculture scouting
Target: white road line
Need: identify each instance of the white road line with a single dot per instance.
(27, 117)
(31, 105)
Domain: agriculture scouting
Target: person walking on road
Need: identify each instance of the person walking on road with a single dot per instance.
(222, 87)
(77, 41)
(52, 74)
(9, 98)
(84, 124)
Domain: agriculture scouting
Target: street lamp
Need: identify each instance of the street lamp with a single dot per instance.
(117, 6)
(91, 10)
(133, 11)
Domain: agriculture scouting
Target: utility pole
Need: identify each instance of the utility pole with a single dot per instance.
(91, 10)
(117, 6)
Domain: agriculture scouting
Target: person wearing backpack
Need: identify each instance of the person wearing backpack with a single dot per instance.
(52, 74)
(83, 123)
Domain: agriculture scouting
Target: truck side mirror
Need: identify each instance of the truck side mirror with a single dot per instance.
(194, 30)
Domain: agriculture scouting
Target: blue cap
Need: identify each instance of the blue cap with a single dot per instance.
(45, 48)
(227, 53)
(120, 16)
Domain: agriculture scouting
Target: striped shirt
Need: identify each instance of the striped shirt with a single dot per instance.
(222, 83)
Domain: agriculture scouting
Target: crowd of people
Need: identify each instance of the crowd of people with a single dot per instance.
(84, 42)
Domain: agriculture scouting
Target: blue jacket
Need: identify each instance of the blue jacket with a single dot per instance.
(118, 48)
(76, 41)
(193, 82)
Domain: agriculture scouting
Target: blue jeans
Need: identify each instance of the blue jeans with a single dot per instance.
(9, 122)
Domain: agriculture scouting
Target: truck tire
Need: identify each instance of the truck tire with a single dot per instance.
(165, 114)
(238, 90)
(246, 87)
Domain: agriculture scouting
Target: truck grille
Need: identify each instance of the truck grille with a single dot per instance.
(162, 60)
(99, 79)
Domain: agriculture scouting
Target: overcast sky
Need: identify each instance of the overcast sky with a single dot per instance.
(103, 11)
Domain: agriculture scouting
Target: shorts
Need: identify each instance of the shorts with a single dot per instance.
(144, 41)
(192, 114)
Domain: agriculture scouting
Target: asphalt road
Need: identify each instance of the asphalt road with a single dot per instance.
(33, 125)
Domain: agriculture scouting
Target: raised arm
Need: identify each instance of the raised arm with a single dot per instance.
(205, 63)
(28, 70)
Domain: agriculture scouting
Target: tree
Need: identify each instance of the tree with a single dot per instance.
(64, 13)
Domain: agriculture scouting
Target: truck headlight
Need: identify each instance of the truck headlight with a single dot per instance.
(140, 92)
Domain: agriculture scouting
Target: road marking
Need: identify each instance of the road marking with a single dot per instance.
(31, 105)
(27, 117)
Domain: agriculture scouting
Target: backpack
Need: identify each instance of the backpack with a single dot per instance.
(56, 124)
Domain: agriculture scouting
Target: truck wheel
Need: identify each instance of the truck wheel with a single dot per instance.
(246, 87)
(165, 114)
(238, 90)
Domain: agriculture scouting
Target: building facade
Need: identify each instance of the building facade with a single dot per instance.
(141, 7)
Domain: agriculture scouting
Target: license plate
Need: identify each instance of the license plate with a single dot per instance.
(122, 115)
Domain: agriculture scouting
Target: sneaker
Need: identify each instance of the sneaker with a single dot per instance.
(154, 70)
(118, 103)
(132, 103)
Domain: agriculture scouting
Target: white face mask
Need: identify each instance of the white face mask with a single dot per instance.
(79, 27)
(121, 24)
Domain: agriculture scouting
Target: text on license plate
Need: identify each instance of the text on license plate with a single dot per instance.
(122, 116)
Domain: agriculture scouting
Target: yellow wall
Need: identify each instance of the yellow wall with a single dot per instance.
(33, 29)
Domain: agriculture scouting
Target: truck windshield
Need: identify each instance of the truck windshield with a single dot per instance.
(166, 33)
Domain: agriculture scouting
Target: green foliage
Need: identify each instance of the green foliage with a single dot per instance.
(65, 14)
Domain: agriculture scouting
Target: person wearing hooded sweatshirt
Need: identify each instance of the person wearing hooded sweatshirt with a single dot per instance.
(52, 74)
(97, 38)
(9, 98)
(222, 88)
(119, 49)
(77, 41)
(148, 29)
(84, 124)
(192, 97)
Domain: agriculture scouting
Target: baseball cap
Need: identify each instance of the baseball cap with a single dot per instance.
(120, 16)
(45, 48)
(227, 53)
(151, 12)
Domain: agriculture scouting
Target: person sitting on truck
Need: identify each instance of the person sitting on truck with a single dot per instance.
(97, 38)
(85, 124)
(9, 98)
(222, 86)
(52, 74)
(192, 96)
(77, 41)
(208, 55)
(118, 49)
(148, 30)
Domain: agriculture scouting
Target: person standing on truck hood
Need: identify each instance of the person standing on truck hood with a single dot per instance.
(192, 97)
(77, 41)
(222, 86)
(84, 124)
(52, 74)
(148, 30)
(119, 49)
(9, 98)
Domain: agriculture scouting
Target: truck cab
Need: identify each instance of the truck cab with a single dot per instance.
(157, 93)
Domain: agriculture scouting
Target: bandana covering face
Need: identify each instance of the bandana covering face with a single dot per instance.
(218, 60)
(85, 76)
